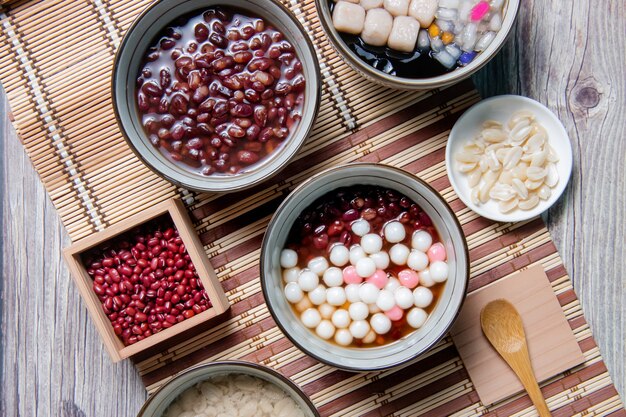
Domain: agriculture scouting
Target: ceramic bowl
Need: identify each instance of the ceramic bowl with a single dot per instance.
(164, 396)
(510, 13)
(126, 67)
(500, 109)
(409, 347)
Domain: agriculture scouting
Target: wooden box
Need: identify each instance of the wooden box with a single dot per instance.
(206, 273)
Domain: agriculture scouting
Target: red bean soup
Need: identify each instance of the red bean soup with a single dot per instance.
(145, 280)
(363, 266)
(220, 91)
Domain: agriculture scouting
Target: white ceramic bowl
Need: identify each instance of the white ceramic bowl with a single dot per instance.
(501, 108)
(414, 344)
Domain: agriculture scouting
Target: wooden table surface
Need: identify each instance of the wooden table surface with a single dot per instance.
(568, 55)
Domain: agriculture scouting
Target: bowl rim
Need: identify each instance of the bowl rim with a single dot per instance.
(305, 184)
(448, 78)
(226, 187)
(237, 364)
(517, 215)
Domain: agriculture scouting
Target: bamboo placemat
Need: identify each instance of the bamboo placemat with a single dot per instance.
(56, 58)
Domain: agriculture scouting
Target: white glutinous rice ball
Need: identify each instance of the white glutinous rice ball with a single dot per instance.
(416, 317)
(376, 31)
(421, 240)
(399, 253)
(318, 295)
(359, 329)
(291, 274)
(365, 267)
(293, 292)
(394, 232)
(318, 265)
(439, 271)
(423, 11)
(352, 293)
(392, 284)
(380, 323)
(396, 7)
(325, 329)
(368, 293)
(356, 253)
(373, 308)
(422, 297)
(417, 260)
(341, 318)
(333, 277)
(371, 243)
(425, 278)
(308, 280)
(336, 296)
(385, 300)
(404, 297)
(381, 259)
(288, 258)
(360, 227)
(358, 311)
(370, 337)
(343, 337)
(403, 34)
(326, 310)
(371, 4)
(311, 318)
(339, 255)
(348, 17)
(303, 304)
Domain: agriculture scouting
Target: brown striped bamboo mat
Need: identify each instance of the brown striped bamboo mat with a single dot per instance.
(56, 58)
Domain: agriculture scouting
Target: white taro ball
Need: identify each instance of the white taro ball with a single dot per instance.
(341, 318)
(381, 259)
(311, 318)
(343, 337)
(318, 265)
(371, 4)
(396, 7)
(399, 254)
(394, 232)
(318, 295)
(416, 317)
(291, 274)
(403, 34)
(422, 297)
(368, 293)
(358, 311)
(417, 260)
(376, 30)
(348, 17)
(380, 323)
(333, 277)
(439, 271)
(371, 243)
(325, 329)
(288, 258)
(308, 280)
(404, 297)
(421, 240)
(423, 11)
(339, 255)
(359, 328)
(293, 292)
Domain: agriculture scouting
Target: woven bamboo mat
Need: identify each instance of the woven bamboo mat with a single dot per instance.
(56, 58)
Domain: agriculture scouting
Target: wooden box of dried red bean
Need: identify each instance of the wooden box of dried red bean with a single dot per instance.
(146, 279)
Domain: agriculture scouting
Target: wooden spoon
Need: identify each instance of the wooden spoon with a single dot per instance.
(503, 327)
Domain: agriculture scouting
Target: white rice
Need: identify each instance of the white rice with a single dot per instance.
(235, 395)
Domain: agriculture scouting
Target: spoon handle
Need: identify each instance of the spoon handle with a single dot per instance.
(519, 361)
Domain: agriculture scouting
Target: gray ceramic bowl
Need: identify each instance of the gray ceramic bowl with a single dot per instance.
(414, 344)
(126, 67)
(453, 77)
(163, 397)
